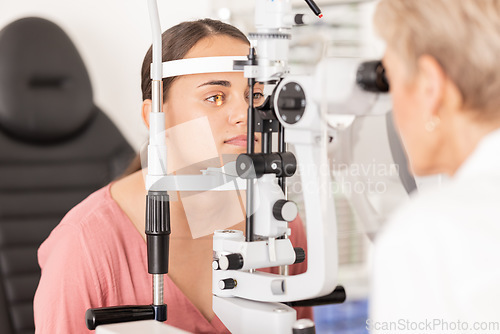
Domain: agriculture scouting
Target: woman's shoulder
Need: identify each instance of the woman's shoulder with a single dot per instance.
(98, 216)
(97, 206)
(93, 219)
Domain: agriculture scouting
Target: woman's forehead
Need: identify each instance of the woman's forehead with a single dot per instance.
(217, 46)
(235, 79)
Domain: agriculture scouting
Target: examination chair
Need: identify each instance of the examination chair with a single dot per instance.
(56, 147)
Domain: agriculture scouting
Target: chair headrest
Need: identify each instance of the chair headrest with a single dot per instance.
(45, 90)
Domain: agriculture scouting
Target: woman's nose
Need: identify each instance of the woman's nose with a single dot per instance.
(238, 112)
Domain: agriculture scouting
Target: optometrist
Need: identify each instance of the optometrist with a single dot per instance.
(436, 260)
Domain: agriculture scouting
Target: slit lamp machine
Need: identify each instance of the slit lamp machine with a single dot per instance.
(244, 299)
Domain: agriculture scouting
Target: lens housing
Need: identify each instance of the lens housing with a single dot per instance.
(371, 77)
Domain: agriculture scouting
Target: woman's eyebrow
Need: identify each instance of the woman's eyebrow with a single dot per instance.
(216, 83)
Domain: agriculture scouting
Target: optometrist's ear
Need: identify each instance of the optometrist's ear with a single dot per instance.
(145, 110)
(432, 82)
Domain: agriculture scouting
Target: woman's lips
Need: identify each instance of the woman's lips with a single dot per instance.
(238, 141)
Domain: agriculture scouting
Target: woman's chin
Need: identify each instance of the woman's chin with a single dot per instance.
(234, 149)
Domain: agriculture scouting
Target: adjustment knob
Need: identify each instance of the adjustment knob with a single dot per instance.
(304, 326)
(300, 255)
(227, 284)
(285, 210)
(231, 262)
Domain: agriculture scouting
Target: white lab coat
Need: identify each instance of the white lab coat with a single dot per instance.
(437, 261)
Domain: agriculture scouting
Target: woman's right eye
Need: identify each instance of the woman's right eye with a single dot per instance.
(216, 99)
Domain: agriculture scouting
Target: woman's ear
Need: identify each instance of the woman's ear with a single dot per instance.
(146, 109)
(432, 82)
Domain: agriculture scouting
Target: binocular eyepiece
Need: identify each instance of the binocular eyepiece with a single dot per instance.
(371, 77)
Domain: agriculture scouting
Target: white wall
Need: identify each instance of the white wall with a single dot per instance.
(112, 36)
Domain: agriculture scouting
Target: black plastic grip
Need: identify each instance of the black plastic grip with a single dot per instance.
(337, 296)
(157, 231)
(117, 314)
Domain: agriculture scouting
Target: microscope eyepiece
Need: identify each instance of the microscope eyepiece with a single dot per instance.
(371, 77)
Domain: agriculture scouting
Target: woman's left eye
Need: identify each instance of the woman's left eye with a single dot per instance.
(217, 99)
(258, 99)
(257, 96)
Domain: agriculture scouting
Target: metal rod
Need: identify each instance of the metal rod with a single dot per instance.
(250, 119)
(266, 138)
(156, 95)
(281, 149)
(270, 142)
(281, 139)
(249, 217)
(157, 66)
(158, 289)
(283, 270)
(250, 150)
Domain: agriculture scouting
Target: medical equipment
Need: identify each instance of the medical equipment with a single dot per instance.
(298, 113)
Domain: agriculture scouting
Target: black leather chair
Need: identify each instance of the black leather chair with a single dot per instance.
(56, 147)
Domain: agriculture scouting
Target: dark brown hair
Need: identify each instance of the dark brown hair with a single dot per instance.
(176, 43)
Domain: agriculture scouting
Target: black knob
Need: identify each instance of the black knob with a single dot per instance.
(300, 255)
(227, 284)
(250, 166)
(288, 163)
(304, 326)
(231, 262)
(285, 210)
(299, 19)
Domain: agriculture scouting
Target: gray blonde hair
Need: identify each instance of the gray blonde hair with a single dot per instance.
(462, 35)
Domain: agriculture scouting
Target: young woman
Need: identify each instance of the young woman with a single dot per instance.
(96, 257)
(436, 263)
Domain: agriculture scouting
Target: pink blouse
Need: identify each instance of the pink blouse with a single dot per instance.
(96, 258)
